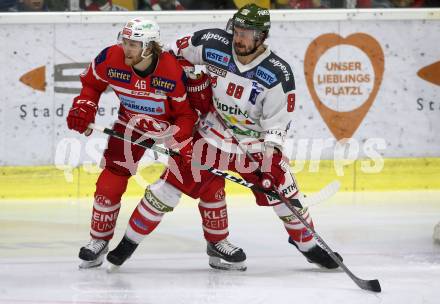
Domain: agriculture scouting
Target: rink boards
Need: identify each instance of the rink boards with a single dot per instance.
(396, 175)
(367, 75)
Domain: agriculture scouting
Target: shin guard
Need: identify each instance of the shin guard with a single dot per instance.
(159, 198)
(296, 230)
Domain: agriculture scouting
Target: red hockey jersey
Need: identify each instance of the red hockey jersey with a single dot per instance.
(156, 102)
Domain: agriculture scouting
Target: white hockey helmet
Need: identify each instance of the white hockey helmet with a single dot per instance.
(142, 30)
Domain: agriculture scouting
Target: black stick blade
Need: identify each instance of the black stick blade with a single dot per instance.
(372, 285)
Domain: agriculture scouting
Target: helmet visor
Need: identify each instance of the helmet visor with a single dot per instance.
(245, 33)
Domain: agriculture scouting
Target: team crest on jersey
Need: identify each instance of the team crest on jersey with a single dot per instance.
(163, 84)
(256, 90)
(220, 194)
(216, 70)
(265, 75)
(217, 56)
(146, 122)
(102, 200)
(119, 75)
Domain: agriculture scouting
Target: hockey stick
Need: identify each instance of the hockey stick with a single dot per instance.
(306, 201)
(311, 200)
(371, 285)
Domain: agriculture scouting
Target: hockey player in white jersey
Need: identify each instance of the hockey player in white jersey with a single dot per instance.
(253, 102)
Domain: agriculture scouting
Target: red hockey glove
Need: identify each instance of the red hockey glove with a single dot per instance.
(273, 168)
(198, 87)
(81, 114)
(199, 92)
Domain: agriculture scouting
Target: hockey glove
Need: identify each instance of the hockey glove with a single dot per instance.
(81, 114)
(199, 92)
(273, 168)
(198, 87)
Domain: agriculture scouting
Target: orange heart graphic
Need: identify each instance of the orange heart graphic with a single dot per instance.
(344, 124)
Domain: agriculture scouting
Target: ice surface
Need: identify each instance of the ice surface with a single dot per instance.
(387, 236)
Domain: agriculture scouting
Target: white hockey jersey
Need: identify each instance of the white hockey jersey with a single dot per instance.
(256, 101)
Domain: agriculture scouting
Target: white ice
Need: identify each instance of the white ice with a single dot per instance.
(385, 236)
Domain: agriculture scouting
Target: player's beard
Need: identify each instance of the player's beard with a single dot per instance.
(244, 51)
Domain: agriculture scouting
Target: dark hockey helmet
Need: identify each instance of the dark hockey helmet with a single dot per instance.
(252, 16)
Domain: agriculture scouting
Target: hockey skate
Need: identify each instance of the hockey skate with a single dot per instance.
(121, 253)
(317, 255)
(223, 255)
(93, 253)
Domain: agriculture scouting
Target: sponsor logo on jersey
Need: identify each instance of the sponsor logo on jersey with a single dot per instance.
(144, 106)
(232, 67)
(163, 84)
(119, 75)
(234, 110)
(250, 74)
(216, 70)
(208, 36)
(160, 92)
(217, 56)
(277, 63)
(275, 132)
(265, 75)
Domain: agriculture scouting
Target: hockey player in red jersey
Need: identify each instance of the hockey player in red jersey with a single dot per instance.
(153, 101)
(161, 195)
(254, 99)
